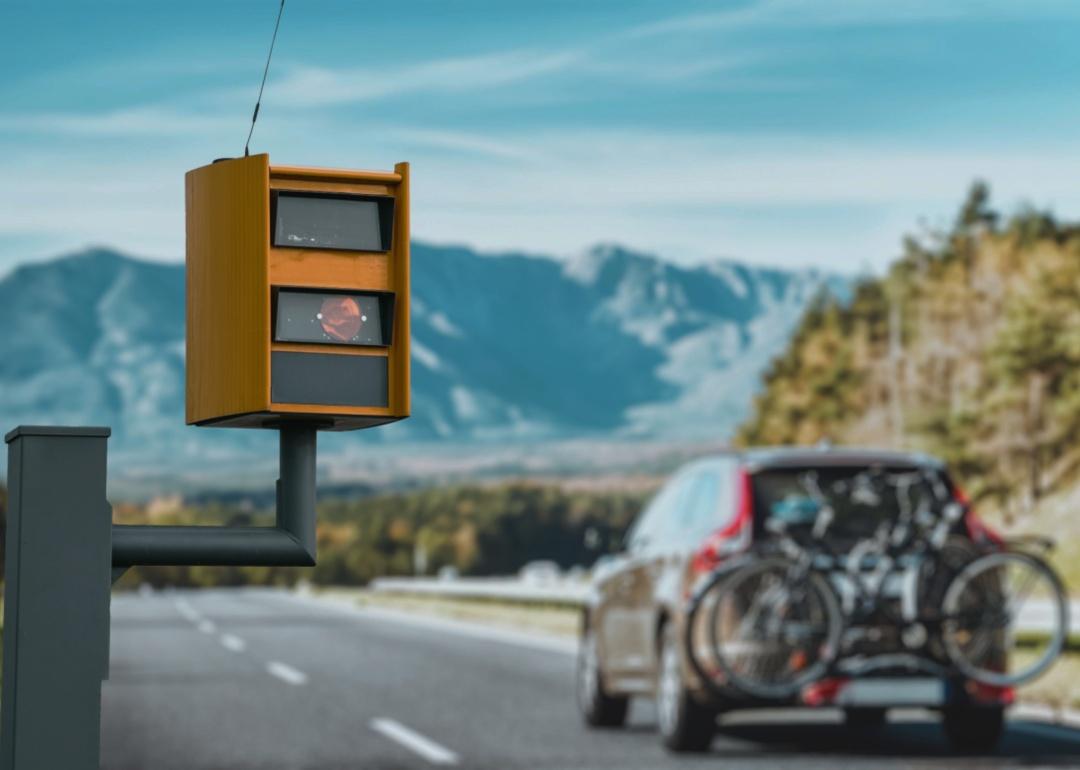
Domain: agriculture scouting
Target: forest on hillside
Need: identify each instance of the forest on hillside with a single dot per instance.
(968, 347)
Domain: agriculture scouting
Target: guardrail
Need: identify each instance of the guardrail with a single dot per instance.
(566, 592)
(1035, 617)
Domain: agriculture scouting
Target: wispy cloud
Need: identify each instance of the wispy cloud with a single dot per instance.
(642, 67)
(611, 55)
(469, 143)
(625, 169)
(686, 195)
(313, 86)
(596, 59)
(304, 87)
(692, 134)
(847, 13)
(153, 121)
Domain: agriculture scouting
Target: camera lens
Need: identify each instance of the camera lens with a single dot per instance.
(341, 318)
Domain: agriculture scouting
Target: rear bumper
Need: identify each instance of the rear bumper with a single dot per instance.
(897, 691)
(901, 692)
(875, 694)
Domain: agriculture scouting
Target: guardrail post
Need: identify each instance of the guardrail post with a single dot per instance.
(56, 611)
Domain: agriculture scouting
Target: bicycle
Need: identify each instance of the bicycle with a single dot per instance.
(789, 614)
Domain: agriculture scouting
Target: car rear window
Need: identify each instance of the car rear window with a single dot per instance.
(786, 492)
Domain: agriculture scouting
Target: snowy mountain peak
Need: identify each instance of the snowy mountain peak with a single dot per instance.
(613, 343)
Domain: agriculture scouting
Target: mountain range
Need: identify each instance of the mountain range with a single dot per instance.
(612, 343)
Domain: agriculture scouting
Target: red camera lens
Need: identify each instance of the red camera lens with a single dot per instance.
(341, 318)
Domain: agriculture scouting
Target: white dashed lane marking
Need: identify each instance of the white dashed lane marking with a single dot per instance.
(207, 626)
(414, 742)
(286, 673)
(186, 610)
(233, 643)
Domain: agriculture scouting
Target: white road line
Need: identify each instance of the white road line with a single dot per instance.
(286, 673)
(186, 610)
(234, 643)
(414, 742)
(207, 626)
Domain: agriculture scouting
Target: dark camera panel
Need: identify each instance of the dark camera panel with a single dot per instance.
(331, 380)
(332, 318)
(351, 223)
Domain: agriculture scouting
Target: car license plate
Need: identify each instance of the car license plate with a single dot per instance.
(893, 692)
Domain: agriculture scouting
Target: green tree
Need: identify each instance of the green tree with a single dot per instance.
(1034, 367)
(976, 210)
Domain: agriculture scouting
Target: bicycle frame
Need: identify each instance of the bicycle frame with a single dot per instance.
(863, 595)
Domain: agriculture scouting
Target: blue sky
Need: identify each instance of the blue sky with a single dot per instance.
(777, 132)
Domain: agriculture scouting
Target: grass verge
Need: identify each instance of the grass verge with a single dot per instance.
(520, 616)
(1059, 687)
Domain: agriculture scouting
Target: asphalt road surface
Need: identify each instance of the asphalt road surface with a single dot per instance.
(261, 679)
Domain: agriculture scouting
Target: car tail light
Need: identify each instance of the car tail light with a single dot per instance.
(988, 693)
(823, 692)
(977, 529)
(733, 537)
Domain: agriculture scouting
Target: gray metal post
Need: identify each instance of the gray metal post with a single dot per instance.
(291, 543)
(63, 552)
(56, 612)
(296, 485)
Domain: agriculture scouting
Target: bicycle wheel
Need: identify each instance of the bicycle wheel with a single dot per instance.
(696, 636)
(774, 628)
(982, 606)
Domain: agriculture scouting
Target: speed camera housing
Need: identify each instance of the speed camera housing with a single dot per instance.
(297, 295)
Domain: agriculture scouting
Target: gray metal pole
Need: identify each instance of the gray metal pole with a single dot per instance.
(56, 611)
(290, 544)
(63, 552)
(296, 485)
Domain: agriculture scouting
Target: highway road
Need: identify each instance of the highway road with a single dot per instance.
(266, 680)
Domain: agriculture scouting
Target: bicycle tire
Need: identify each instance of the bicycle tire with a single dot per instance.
(936, 572)
(971, 595)
(699, 600)
(781, 682)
